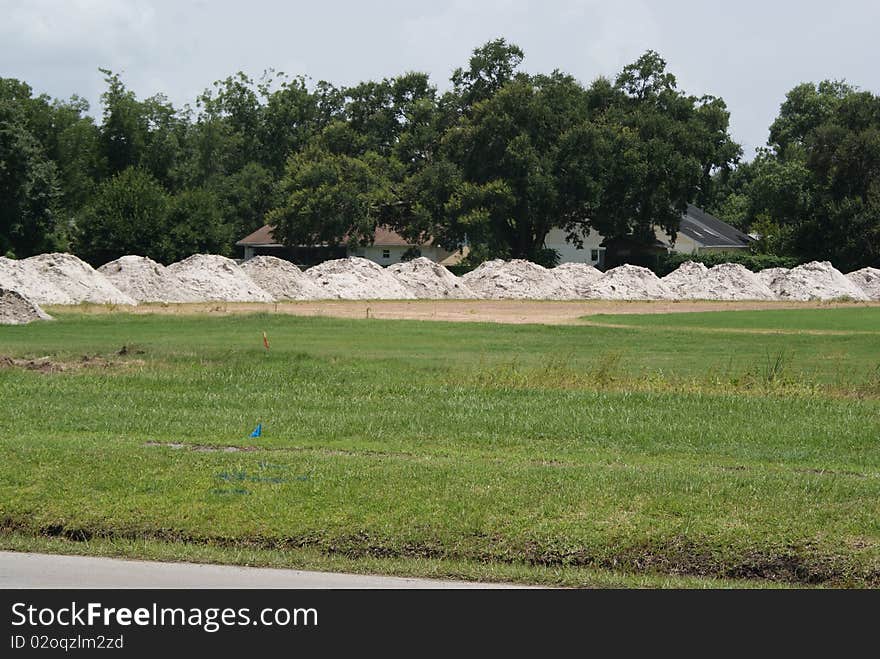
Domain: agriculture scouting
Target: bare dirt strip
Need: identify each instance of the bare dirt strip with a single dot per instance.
(481, 311)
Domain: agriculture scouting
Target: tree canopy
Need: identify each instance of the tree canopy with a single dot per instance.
(505, 157)
(814, 192)
(495, 161)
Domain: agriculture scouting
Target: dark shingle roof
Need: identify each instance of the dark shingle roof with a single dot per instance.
(709, 231)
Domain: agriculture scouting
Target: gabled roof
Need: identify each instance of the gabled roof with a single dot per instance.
(384, 237)
(262, 237)
(709, 231)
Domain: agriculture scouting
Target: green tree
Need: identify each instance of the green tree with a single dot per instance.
(128, 215)
(504, 157)
(814, 191)
(76, 150)
(29, 188)
(245, 197)
(358, 172)
(125, 127)
(668, 147)
(528, 161)
(290, 118)
(806, 107)
(53, 147)
(195, 225)
(331, 197)
(490, 67)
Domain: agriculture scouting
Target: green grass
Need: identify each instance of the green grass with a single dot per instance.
(654, 456)
(848, 319)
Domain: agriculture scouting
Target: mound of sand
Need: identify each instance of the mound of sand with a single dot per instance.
(685, 276)
(867, 279)
(280, 278)
(770, 274)
(16, 309)
(629, 282)
(727, 281)
(16, 276)
(356, 278)
(146, 281)
(817, 280)
(425, 279)
(215, 278)
(576, 277)
(516, 280)
(76, 279)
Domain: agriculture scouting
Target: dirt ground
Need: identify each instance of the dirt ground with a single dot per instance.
(496, 311)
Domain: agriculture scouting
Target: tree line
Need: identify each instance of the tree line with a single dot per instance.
(497, 160)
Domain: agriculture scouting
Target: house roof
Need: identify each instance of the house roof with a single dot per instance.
(384, 237)
(700, 226)
(709, 231)
(262, 237)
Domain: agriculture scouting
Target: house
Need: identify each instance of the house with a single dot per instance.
(698, 232)
(388, 247)
(262, 243)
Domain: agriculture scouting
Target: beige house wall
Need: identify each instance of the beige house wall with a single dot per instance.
(682, 244)
(568, 253)
(391, 254)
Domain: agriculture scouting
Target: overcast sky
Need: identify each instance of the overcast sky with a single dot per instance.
(748, 52)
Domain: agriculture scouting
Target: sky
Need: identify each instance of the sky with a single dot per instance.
(750, 53)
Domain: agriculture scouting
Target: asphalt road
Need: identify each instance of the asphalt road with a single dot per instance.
(20, 570)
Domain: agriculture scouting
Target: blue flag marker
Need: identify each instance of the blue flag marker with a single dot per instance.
(257, 431)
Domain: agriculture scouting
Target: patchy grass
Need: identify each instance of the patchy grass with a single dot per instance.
(642, 456)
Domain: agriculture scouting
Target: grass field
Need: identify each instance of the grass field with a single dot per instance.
(725, 448)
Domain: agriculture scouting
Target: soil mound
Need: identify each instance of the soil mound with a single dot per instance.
(16, 309)
(76, 279)
(685, 276)
(576, 277)
(516, 280)
(215, 278)
(630, 282)
(280, 278)
(867, 279)
(817, 280)
(16, 276)
(727, 281)
(146, 281)
(425, 279)
(356, 278)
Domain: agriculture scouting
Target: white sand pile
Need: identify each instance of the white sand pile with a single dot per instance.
(216, 278)
(75, 278)
(576, 277)
(727, 281)
(428, 280)
(516, 280)
(356, 278)
(17, 276)
(867, 279)
(817, 280)
(685, 276)
(629, 282)
(280, 278)
(16, 309)
(769, 275)
(146, 281)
